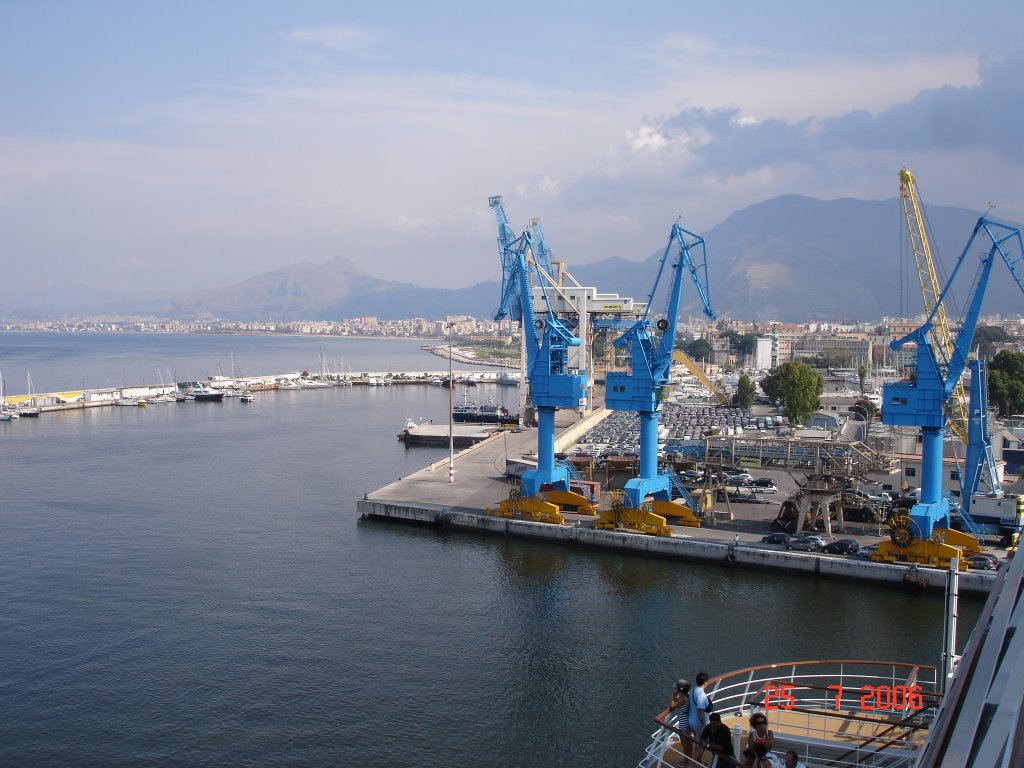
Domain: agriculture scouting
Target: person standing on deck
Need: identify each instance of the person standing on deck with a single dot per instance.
(700, 704)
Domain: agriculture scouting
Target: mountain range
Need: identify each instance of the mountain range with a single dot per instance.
(790, 258)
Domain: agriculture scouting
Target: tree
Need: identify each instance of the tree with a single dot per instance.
(985, 338)
(866, 409)
(741, 343)
(745, 391)
(698, 349)
(862, 375)
(838, 357)
(1006, 382)
(797, 387)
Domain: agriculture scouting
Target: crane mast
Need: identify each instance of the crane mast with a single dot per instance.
(645, 386)
(921, 403)
(940, 334)
(553, 381)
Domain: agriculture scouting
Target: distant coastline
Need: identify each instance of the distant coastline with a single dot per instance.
(461, 356)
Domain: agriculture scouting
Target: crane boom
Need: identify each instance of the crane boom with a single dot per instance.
(921, 403)
(940, 334)
(645, 386)
(547, 341)
(681, 357)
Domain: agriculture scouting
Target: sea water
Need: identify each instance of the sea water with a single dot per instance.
(189, 584)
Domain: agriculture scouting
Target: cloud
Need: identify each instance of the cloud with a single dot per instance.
(338, 37)
(978, 117)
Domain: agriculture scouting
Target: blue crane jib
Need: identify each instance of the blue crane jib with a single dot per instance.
(547, 340)
(646, 385)
(923, 402)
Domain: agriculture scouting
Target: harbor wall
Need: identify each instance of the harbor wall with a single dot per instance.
(722, 553)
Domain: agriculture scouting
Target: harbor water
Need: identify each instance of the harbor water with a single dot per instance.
(189, 584)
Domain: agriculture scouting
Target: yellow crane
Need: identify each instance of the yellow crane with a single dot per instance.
(695, 369)
(931, 291)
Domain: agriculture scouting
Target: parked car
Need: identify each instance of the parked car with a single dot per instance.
(807, 543)
(741, 479)
(842, 547)
(880, 498)
(775, 538)
(983, 562)
(765, 489)
(865, 553)
(764, 482)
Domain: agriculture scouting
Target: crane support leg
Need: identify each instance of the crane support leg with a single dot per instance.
(640, 520)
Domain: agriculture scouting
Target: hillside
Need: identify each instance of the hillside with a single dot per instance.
(791, 259)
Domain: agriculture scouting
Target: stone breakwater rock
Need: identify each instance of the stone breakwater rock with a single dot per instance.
(462, 356)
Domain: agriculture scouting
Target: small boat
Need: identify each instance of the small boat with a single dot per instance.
(30, 408)
(203, 394)
(247, 398)
(436, 382)
(6, 412)
(507, 378)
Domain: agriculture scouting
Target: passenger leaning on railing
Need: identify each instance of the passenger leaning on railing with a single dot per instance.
(717, 738)
(679, 713)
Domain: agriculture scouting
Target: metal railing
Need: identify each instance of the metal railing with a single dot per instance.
(833, 714)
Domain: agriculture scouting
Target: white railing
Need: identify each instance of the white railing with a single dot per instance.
(831, 713)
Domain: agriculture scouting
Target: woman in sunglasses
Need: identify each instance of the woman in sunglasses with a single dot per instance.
(759, 732)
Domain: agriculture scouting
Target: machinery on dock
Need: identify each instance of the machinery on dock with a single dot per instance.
(647, 499)
(925, 535)
(553, 381)
(992, 513)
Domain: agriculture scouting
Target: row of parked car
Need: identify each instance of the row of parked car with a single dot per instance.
(983, 561)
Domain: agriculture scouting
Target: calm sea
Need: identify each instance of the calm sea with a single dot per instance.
(188, 584)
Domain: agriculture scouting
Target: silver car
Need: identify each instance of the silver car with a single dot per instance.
(807, 543)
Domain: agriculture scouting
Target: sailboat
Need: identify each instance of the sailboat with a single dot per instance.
(6, 414)
(31, 409)
(163, 397)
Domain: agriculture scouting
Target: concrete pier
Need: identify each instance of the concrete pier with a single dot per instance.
(426, 497)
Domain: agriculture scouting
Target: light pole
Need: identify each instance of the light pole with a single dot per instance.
(451, 427)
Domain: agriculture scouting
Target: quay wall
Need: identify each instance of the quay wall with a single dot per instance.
(723, 553)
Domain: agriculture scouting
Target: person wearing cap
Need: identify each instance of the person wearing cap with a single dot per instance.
(679, 714)
(717, 737)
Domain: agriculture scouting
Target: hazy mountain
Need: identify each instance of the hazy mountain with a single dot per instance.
(791, 259)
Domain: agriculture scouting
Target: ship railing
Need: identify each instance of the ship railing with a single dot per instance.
(832, 713)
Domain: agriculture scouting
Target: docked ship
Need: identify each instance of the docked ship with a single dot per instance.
(202, 393)
(469, 412)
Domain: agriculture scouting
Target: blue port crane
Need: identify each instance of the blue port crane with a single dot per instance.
(552, 382)
(925, 535)
(645, 386)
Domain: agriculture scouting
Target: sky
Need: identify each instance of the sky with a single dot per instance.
(151, 148)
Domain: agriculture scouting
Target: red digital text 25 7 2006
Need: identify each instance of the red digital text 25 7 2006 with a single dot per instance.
(872, 697)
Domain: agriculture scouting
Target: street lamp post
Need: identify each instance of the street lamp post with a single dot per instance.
(451, 427)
